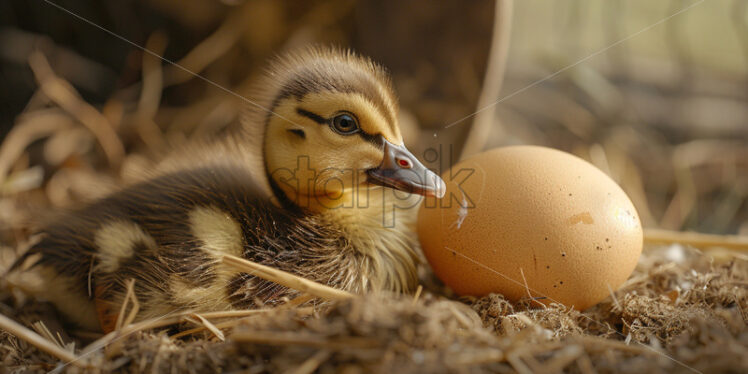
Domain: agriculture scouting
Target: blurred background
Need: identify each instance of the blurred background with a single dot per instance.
(654, 93)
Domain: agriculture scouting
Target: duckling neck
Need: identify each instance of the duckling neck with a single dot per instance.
(380, 228)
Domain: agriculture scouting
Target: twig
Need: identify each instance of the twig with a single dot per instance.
(301, 299)
(478, 357)
(695, 239)
(64, 95)
(515, 361)
(151, 92)
(38, 341)
(602, 344)
(178, 318)
(209, 50)
(418, 294)
(208, 325)
(241, 315)
(484, 119)
(527, 288)
(585, 364)
(129, 296)
(312, 363)
(562, 358)
(221, 325)
(461, 318)
(29, 129)
(287, 279)
(129, 329)
(42, 330)
(614, 298)
(236, 321)
(234, 313)
(289, 338)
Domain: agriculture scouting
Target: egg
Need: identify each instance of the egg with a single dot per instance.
(528, 221)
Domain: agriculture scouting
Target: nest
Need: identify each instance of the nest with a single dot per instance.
(681, 311)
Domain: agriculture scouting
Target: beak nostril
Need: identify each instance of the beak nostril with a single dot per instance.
(404, 163)
(392, 173)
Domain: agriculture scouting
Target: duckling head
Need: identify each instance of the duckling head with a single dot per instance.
(332, 132)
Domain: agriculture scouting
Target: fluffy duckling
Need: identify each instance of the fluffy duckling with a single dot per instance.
(297, 187)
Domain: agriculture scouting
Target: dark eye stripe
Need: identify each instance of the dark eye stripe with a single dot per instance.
(314, 117)
(377, 140)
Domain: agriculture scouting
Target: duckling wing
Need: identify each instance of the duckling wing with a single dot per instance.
(168, 234)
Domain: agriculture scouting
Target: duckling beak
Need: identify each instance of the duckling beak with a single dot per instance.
(402, 171)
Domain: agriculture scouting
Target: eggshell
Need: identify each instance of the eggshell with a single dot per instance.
(531, 220)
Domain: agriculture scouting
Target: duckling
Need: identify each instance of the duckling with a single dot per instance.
(305, 184)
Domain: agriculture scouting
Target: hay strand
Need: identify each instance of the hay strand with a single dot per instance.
(28, 129)
(307, 340)
(286, 279)
(211, 327)
(417, 294)
(311, 364)
(38, 341)
(64, 95)
(122, 319)
(695, 239)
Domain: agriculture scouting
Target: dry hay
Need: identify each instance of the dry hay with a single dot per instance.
(680, 304)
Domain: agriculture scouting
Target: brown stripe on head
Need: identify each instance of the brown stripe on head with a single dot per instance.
(318, 70)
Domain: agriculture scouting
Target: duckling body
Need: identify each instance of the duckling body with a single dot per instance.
(331, 114)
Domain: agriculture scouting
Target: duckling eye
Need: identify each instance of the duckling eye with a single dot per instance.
(345, 124)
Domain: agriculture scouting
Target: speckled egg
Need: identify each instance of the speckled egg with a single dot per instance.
(531, 221)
